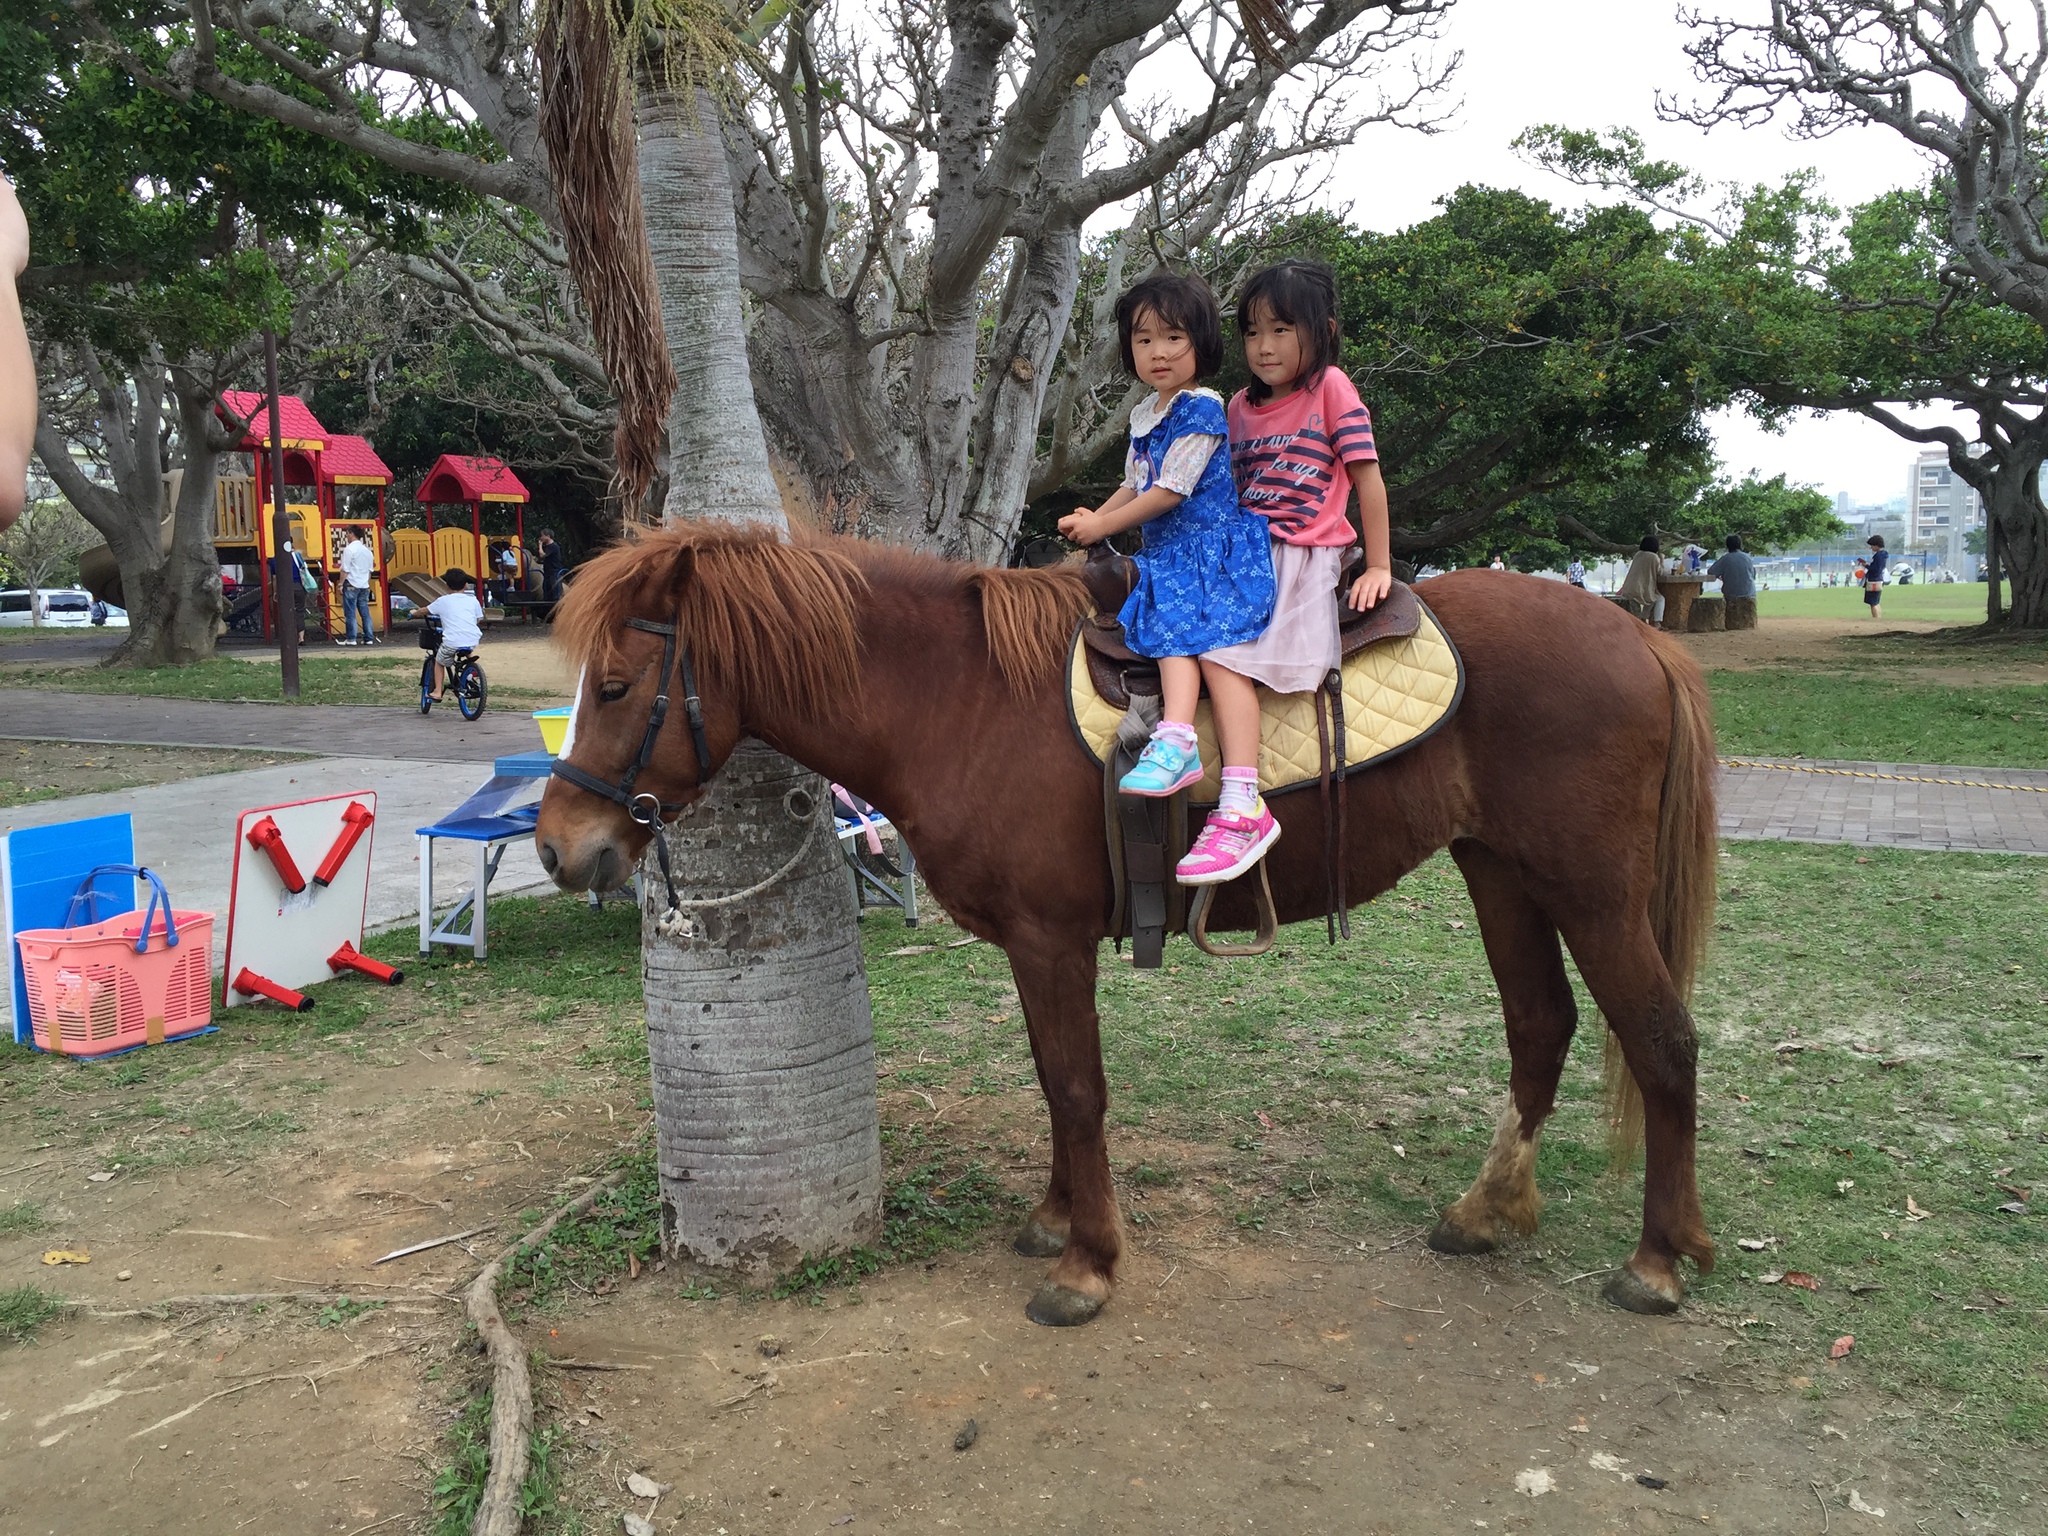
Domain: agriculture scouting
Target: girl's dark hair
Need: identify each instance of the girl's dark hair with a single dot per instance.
(1303, 294)
(1650, 543)
(1875, 541)
(1186, 304)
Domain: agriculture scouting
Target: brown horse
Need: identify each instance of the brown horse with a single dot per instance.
(1573, 787)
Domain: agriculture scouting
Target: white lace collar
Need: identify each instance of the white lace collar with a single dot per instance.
(1148, 412)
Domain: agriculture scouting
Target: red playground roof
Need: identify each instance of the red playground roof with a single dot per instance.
(301, 428)
(352, 461)
(461, 478)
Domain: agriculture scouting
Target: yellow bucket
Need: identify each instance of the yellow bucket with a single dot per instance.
(554, 727)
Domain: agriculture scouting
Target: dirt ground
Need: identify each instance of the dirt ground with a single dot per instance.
(1288, 1381)
(49, 770)
(1823, 644)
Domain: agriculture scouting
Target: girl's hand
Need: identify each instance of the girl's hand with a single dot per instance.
(1079, 525)
(1372, 588)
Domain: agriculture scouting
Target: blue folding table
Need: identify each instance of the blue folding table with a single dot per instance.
(490, 821)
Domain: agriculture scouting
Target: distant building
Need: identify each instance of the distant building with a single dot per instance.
(1941, 511)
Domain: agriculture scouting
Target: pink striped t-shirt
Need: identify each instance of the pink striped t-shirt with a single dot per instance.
(1288, 458)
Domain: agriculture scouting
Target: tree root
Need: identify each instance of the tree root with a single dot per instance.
(511, 1444)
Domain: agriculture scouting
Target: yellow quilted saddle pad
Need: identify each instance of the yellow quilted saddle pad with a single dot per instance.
(1395, 693)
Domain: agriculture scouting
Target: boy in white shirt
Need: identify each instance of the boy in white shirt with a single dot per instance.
(462, 626)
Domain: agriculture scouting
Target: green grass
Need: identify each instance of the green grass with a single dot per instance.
(1287, 1083)
(24, 1309)
(324, 678)
(1919, 603)
(459, 1487)
(22, 1216)
(1870, 717)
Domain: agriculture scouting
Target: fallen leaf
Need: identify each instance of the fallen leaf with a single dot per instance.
(1842, 1346)
(1606, 1461)
(98, 1178)
(1856, 1503)
(632, 1266)
(637, 1525)
(1535, 1482)
(1800, 1278)
(2015, 1191)
(1456, 923)
(1400, 1151)
(1755, 1244)
(1843, 1186)
(1770, 1279)
(2011, 1208)
(66, 1256)
(1583, 1370)
(643, 1487)
(1651, 1482)
(1914, 1212)
(1264, 1119)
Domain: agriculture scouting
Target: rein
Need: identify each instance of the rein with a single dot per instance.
(645, 809)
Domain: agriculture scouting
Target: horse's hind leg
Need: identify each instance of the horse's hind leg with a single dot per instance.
(1624, 971)
(1078, 1218)
(1536, 1000)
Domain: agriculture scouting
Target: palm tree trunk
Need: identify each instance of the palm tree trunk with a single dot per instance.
(758, 1026)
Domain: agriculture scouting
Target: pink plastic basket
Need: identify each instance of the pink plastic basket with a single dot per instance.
(91, 994)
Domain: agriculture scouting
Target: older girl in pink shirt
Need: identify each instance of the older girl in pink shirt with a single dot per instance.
(1300, 444)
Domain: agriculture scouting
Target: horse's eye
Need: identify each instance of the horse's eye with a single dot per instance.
(611, 693)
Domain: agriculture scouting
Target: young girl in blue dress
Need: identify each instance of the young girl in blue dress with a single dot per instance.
(1205, 574)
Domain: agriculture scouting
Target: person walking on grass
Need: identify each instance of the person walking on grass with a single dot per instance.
(1873, 575)
(356, 564)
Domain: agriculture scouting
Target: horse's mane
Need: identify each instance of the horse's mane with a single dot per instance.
(776, 620)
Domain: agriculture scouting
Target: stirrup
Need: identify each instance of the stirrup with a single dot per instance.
(1262, 939)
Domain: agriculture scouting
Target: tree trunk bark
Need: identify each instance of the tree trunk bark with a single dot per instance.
(759, 1032)
(2016, 517)
(758, 1028)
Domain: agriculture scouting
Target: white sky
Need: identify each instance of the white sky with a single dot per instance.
(1597, 64)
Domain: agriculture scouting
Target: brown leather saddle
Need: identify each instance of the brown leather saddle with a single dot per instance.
(1146, 836)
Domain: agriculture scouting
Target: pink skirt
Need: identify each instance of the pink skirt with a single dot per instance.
(1300, 646)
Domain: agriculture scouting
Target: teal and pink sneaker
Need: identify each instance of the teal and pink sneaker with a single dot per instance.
(1229, 845)
(1162, 768)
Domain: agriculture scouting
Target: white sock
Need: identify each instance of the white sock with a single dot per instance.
(1240, 795)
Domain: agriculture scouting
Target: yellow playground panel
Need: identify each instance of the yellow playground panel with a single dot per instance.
(308, 531)
(412, 553)
(234, 512)
(455, 549)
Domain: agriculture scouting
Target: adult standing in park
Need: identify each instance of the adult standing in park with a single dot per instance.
(1575, 573)
(1873, 575)
(1638, 588)
(17, 366)
(356, 564)
(550, 567)
(1737, 574)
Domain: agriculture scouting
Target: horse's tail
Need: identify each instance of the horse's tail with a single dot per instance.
(1683, 883)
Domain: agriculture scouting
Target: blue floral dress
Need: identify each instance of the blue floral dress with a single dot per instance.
(1205, 573)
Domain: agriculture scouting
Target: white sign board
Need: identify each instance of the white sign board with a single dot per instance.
(282, 935)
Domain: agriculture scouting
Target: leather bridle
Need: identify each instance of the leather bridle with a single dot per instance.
(645, 809)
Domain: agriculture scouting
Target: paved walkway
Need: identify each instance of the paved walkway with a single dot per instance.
(1885, 805)
(381, 730)
(185, 832)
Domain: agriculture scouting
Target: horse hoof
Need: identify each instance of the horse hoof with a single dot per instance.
(1055, 1306)
(1629, 1292)
(1035, 1240)
(1446, 1237)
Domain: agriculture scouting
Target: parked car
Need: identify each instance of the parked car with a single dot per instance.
(19, 609)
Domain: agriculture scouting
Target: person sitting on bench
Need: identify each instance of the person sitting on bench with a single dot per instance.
(461, 618)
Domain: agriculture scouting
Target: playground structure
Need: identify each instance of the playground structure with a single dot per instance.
(337, 469)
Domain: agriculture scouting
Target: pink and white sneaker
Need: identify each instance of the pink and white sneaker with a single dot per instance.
(1228, 846)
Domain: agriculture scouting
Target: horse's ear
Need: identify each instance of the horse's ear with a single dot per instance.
(679, 576)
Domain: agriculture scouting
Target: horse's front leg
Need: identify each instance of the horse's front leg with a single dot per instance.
(1078, 1218)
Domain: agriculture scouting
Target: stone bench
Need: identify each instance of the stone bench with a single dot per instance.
(1707, 616)
(1741, 612)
